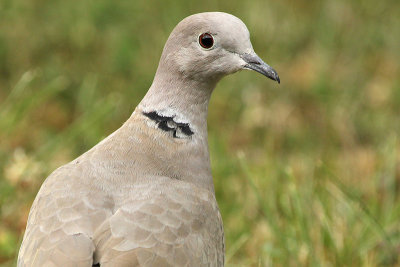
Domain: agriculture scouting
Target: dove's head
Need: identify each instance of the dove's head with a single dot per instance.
(208, 46)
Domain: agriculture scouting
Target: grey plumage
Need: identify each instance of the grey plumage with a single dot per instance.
(144, 196)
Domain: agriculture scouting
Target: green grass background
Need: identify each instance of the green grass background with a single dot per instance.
(307, 173)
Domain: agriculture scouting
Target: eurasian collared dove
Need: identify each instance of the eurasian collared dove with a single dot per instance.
(144, 196)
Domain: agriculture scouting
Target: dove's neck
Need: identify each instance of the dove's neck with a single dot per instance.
(182, 98)
(184, 149)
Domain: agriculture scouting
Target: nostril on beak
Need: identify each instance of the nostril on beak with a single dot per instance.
(257, 64)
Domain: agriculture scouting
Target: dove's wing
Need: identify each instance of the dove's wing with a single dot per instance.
(163, 224)
(61, 223)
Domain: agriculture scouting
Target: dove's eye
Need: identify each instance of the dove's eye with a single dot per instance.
(206, 40)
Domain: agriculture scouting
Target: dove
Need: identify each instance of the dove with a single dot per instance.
(144, 196)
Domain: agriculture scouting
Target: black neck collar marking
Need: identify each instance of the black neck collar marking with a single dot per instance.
(168, 124)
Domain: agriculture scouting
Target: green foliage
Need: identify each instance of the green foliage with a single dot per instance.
(307, 173)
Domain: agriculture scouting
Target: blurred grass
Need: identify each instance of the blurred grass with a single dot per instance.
(307, 173)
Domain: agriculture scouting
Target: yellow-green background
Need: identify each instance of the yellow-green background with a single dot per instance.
(307, 173)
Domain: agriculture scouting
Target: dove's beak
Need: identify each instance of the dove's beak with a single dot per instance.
(254, 62)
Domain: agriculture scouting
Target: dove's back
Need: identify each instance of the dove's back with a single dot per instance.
(118, 205)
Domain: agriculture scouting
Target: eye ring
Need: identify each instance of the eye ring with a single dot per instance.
(206, 40)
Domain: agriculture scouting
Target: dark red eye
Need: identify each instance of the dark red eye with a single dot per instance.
(206, 40)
